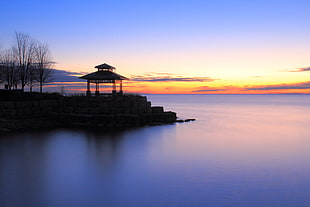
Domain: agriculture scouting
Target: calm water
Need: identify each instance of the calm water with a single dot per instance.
(248, 150)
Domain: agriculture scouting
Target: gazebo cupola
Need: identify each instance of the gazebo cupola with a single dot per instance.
(104, 74)
(104, 67)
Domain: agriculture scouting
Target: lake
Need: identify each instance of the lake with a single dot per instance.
(242, 150)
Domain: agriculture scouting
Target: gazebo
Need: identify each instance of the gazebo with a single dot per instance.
(104, 74)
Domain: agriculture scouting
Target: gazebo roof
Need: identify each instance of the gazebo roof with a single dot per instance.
(103, 75)
(105, 66)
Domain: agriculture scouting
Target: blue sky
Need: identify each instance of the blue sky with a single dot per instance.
(226, 40)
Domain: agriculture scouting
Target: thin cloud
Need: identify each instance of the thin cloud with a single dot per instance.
(156, 73)
(304, 85)
(168, 77)
(171, 79)
(209, 90)
(66, 76)
(306, 69)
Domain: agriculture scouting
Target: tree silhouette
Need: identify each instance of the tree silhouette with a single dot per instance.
(27, 62)
(23, 51)
(43, 63)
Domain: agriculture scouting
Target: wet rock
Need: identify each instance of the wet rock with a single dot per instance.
(179, 121)
(188, 120)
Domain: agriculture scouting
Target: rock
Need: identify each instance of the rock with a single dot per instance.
(180, 121)
(157, 109)
(188, 120)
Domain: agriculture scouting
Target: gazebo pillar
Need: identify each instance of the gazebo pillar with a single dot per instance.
(114, 88)
(97, 89)
(121, 87)
(88, 88)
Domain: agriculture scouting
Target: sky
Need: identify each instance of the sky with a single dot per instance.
(173, 46)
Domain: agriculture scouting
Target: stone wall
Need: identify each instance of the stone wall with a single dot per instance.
(24, 109)
(103, 111)
(106, 105)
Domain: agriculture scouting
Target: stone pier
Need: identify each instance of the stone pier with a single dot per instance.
(110, 111)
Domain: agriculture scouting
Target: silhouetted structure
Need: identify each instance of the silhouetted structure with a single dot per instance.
(104, 74)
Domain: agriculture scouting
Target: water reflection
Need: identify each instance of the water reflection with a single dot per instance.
(22, 163)
(246, 153)
(72, 167)
(104, 148)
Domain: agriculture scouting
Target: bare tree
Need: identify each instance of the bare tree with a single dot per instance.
(26, 63)
(43, 64)
(32, 75)
(9, 72)
(24, 50)
(1, 67)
